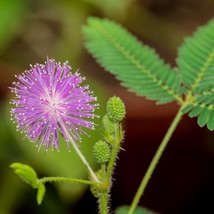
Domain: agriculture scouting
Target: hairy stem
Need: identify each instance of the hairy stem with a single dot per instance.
(104, 196)
(103, 203)
(65, 179)
(103, 200)
(115, 148)
(154, 161)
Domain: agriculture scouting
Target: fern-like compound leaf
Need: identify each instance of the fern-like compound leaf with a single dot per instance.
(196, 59)
(196, 66)
(136, 65)
(203, 108)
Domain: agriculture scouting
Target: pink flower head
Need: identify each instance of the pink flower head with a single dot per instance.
(49, 100)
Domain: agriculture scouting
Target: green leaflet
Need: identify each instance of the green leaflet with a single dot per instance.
(26, 173)
(195, 111)
(210, 124)
(40, 193)
(187, 109)
(136, 65)
(203, 117)
(205, 114)
(196, 60)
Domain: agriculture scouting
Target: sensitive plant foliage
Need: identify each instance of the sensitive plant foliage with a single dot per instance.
(141, 70)
(136, 65)
(26, 173)
(40, 193)
(62, 103)
(196, 65)
(49, 100)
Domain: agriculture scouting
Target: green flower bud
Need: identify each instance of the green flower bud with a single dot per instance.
(115, 109)
(108, 125)
(94, 189)
(101, 152)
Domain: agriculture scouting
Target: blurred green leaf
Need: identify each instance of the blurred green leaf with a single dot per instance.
(111, 8)
(40, 193)
(139, 210)
(12, 13)
(26, 173)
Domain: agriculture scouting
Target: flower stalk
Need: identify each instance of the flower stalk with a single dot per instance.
(82, 157)
(155, 161)
(107, 180)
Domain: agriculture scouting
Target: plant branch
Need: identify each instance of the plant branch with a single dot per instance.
(115, 149)
(103, 203)
(65, 179)
(154, 161)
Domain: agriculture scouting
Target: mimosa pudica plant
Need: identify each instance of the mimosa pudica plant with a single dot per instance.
(67, 107)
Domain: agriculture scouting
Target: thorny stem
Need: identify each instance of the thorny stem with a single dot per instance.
(154, 161)
(81, 155)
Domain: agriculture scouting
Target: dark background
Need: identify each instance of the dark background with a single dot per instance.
(32, 30)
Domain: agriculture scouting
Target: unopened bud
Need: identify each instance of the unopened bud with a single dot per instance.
(115, 109)
(101, 152)
(108, 125)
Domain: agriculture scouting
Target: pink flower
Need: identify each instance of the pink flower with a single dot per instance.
(49, 100)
